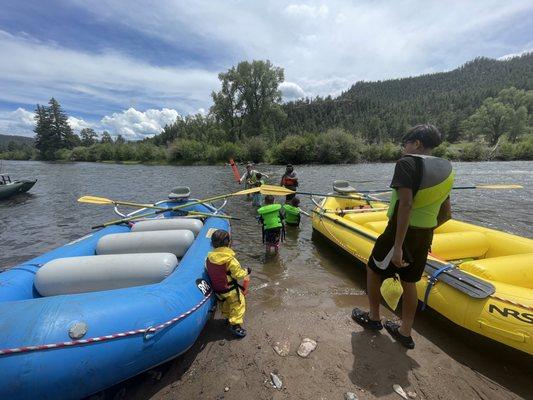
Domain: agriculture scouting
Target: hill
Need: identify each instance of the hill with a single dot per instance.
(384, 109)
(18, 141)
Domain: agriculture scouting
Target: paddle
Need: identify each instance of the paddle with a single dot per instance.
(180, 206)
(106, 201)
(282, 191)
(356, 211)
(496, 187)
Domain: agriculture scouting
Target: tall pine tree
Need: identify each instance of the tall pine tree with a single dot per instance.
(52, 130)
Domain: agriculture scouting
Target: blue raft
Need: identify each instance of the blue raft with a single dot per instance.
(128, 330)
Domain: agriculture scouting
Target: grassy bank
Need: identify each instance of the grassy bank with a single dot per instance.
(333, 147)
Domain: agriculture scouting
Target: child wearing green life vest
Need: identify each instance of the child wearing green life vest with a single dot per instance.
(271, 216)
(292, 212)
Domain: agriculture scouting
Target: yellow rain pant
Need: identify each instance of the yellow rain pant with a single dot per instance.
(233, 307)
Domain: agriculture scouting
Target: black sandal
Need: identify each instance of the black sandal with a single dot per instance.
(405, 341)
(237, 330)
(363, 319)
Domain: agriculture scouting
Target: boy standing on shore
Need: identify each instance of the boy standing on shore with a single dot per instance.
(420, 202)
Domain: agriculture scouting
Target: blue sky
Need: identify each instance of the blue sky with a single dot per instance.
(131, 67)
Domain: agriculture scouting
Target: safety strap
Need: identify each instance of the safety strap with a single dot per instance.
(432, 280)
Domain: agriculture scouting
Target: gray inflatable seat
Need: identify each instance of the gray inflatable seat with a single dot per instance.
(180, 193)
(343, 187)
(191, 224)
(96, 273)
(175, 241)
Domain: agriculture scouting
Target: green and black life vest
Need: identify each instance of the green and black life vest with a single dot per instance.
(435, 185)
(271, 216)
(292, 214)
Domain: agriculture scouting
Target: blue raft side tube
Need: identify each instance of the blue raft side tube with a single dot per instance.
(78, 371)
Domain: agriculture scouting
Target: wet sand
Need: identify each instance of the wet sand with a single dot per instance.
(447, 363)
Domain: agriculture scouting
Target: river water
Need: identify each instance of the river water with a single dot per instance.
(50, 216)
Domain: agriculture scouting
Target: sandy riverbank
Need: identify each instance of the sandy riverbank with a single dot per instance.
(447, 363)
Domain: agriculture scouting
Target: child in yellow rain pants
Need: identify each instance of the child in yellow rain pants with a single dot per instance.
(224, 272)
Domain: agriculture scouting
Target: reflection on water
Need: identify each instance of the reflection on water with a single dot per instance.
(307, 265)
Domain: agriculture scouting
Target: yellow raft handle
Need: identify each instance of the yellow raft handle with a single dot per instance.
(516, 336)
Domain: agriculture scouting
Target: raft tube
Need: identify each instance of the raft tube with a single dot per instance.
(70, 346)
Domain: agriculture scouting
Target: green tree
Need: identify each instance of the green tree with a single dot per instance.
(88, 137)
(120, 139)
(106, 138)
(52, 129)
(249, 102)
(491, 120)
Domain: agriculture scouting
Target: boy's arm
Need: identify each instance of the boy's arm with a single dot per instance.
(405, 203)
(236, 271)
(445, 212)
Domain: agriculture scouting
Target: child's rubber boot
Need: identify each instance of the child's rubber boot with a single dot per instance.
(238, 330)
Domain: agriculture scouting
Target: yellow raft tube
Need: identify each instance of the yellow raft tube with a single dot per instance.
(487, 285)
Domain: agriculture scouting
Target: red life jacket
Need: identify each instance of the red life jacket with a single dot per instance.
(288, 181)
(218, 274)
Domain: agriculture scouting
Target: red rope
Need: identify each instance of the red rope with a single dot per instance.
(149, 330)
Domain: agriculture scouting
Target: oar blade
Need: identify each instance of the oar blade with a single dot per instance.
(245, 191)
(275, 190)
(95, 200)
(499, 187)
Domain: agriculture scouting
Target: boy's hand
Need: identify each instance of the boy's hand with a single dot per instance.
(397, 258)
(245, 285)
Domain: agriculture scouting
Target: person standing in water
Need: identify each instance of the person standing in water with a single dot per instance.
(271, 216)
(289, 180)
(420, 202)
(292, 212)
(250, 178)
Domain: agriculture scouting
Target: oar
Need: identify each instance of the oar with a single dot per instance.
(180, 206)
(282, 191)
(496, 187)
(356, 211)
(106, 201)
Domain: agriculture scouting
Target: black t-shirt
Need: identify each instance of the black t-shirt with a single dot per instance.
(407, 174)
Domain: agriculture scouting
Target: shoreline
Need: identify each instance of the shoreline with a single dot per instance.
(347, 359)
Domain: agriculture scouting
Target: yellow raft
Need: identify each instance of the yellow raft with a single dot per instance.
(479, 278)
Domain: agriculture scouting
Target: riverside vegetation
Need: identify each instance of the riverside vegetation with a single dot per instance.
(483, 109)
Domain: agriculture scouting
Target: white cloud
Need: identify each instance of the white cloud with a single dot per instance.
(77, 124)
(291, 91)
(303, 10)
(320, 46)
(18, 122)
(133, 124)
(94, 82)
(513, 55)
(324, 49)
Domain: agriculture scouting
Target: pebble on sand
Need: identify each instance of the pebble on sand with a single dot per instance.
(282, 348)
(398, 389)
(350, 396)
(276, 381)
(306, 347)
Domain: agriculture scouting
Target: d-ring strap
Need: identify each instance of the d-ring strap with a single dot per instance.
(432, 279)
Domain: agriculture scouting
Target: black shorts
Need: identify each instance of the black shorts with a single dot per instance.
(416, 246)
(272, 236)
